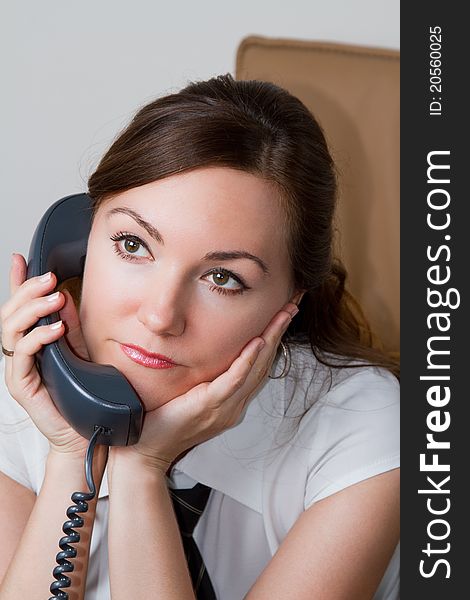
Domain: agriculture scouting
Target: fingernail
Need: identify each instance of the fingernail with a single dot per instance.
(56, 325)
(52, 297)
(293, 311)
(45, 278)
(261, 344)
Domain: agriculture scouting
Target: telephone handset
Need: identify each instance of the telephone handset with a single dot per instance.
(88, 395)
(96, 400)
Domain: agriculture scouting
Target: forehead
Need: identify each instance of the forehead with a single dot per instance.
(217, 204)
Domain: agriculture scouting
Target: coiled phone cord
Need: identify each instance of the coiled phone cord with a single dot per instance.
(81, 500)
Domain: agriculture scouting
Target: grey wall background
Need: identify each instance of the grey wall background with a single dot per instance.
(73, 74)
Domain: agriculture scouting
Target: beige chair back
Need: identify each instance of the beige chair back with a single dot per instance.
(353, 92)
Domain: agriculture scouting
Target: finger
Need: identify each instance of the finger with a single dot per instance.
(231, 381)
(17, 277)
(34, 287)
(278, 324)
(254, 357)
(273, 336)
(23, 359)
(265, 361)
(27, 316)
(259, 372)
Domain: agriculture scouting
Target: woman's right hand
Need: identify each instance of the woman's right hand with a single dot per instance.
(29, 300)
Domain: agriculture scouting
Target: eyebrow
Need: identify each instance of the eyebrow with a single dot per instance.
(149, 228)
(153, 232)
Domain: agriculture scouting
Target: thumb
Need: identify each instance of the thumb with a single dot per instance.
(73, 330)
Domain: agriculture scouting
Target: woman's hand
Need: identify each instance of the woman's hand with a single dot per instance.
(30, 300)
(210, 407)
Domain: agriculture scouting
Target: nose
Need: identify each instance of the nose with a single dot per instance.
(162, 308)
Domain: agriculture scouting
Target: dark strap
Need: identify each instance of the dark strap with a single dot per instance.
(189, 505)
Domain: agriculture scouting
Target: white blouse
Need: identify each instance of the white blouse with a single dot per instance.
(264, 472)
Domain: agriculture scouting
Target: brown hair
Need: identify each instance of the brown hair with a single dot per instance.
(257, 127)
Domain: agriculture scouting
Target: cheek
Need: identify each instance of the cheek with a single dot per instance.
(102, 297)
(104, 287)
(222, 340)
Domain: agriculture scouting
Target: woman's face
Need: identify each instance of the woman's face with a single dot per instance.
(191, 267)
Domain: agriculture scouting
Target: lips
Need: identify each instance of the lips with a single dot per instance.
(147, 359)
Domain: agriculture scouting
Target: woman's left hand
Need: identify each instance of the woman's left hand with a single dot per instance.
(210, 407)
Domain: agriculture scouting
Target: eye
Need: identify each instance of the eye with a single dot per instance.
(127, 246)
(227, 282)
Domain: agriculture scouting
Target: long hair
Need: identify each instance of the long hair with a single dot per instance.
(260, 128)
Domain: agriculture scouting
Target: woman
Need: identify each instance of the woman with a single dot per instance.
(212, 229)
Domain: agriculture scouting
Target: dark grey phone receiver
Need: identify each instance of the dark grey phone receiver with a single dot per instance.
(85, 393)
